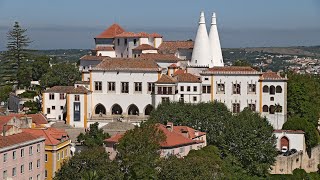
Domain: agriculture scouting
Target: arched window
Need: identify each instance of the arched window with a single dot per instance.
(100, 109)
(272, 90)
(148, 109)
(133, 110)
(278, 89)
(284, 142)
(265, 89)
(116, 109)
(278, 108)
(272, 109)
(265, 108)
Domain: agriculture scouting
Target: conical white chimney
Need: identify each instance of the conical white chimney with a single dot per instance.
(214, 42)
(201, 54)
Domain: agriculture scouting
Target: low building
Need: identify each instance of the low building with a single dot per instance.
(179, 140)
(290, 139)
(21, 153)
(57, 148)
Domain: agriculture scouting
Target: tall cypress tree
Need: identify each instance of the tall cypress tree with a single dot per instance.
(15, 55)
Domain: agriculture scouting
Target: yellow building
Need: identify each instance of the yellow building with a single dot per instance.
(57, 148)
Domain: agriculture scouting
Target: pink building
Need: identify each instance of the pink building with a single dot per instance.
(179, 141)
(21, 153)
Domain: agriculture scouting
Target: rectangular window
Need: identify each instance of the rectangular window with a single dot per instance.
(30, 150)
(138, 86)
(188, 88)
(62, 155)
(111, 86)
(62, 96)
(30, 178)
(53, 107)
(236, 107)
(182, 88)
(61, 107)
(30, 166)
(51, 96)
(46, 157)
(118, 42)
(252, 107)
(206, 89)
(48, 110)
(58, 156)
(5, 157)
(134, 42)
(38, 148)
(194, 98)
(181, 98)
(251, 88)
(220, 88)
(150, 87)
(14, 171)
(14, 154)
(38, 163)
(169, 90)
(76, 97)
(38, 177)
(159, 90)
(5, 174)
(165, 99)
(77, 107)
(236, 88)
(125, 41)
(22, 168)
(125, 87)
(98, 85)
(45, 173)
(164, 90)
(206, 79)
(195, 88)
(22, 152)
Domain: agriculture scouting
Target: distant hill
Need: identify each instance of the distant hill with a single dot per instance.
(313, 51)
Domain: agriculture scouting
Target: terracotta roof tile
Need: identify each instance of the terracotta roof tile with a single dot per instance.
(170, 58)
(115, 138)
(179, 71)
(191, 132)
(165, 79)
(170, 47)
(138, 35)
(123, 64)
(145, 47)
(53, 136)
(173, 66)
(272, 76)
(59, 89)
(111, 31)
(18, 138)
(93, 58)
(231, 70)
(187, 77)
(4, 120)
(104, 48)
(79, 90)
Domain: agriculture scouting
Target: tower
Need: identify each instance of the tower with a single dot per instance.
(201, 54)
(214, 42)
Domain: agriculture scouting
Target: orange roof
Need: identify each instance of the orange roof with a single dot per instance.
(93, 58)
(4, 120)
(165, 79)
(179, 71)
(59, 89)
(187, 77)
(123, 64)
(18, 138)
(269, 75)
(172, 46)
(79, 90)
(104, 48)
(172, 66)
(145, 47)
(138, 35)
(115, 138)
(191, 132)
(53, 136)
(170, 58)
(111, 31)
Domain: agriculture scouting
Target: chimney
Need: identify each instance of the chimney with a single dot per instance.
(169, 126)
(4, 130)
(214, 41)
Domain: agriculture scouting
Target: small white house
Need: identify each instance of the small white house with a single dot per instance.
(292, 139)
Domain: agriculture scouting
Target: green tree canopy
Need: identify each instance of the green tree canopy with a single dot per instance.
(93, 137)
(4, 92)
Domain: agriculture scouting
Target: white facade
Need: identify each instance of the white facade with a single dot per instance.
(295, 139)
(53, 105)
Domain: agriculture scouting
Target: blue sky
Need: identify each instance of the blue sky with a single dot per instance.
(73, 23)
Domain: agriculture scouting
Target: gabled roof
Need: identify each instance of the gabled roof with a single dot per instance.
(231, 70)
(115, 138)
(93, 58)
(187, 77)
(123, 64)
(104, 48)
(192, 133)
(79, 90)
(165, 79)
(172, 46)
(36, 118)
(23, 137)
(59, 89)
(269, 75)
(145, 47)
(4, 120)
(111, 31)
(53, 136)
(169, 58)
(179, 71)
(173, 66)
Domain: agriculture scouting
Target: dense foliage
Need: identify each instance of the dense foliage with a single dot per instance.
(4, 92)
(93, 137)
(245, 136)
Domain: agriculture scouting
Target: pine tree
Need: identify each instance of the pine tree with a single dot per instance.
(15, 55)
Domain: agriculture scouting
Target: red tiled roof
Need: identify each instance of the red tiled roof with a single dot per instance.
(187, 77)
(138, 35)
(18, 138)
(170, 58)
(4, 120)
(93, 58)
(231, 70)
(191, 132)
(115, 138)
(272, 76)
(53, 136)
(111, 31)
(172, 46)
(59, 89)
(172, 66)
(289, 131)
(79, 90)
(145, 47)
(123, 64)
(104, 48)
(179, 71)
(165, 79)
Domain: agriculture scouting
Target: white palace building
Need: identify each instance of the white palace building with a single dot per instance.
(129, 74)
